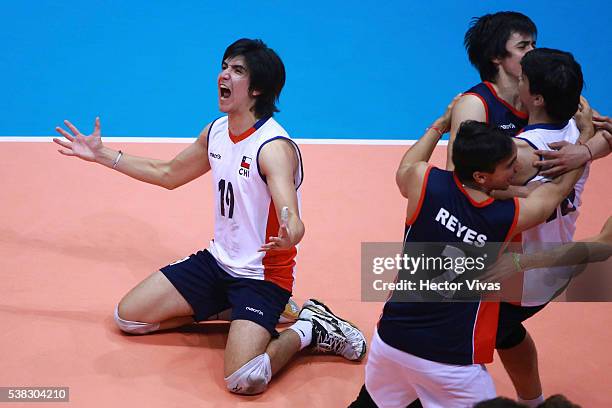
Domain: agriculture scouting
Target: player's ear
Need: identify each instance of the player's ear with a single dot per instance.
(479, 177)
(538, 100)
(496, 60)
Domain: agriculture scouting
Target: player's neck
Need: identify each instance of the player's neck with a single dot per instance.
(539, 116)
(525, 157)
(240, 122)
(476, 191)
(506, 88)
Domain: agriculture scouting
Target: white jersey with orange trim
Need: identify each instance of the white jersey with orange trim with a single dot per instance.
(244, 211)
(541, 285)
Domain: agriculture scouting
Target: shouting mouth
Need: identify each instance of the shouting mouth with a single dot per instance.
(224, 91)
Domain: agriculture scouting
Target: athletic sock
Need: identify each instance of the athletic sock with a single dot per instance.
(532, 403)
(303, 328)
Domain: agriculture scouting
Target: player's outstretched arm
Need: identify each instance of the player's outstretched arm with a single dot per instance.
(605, 235)
(593, 249)
(468, 107)
(76, 144)
(278, 161)
(421, 151)
(186, 166)
(515, 191)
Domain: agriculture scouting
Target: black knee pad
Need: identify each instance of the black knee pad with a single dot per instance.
(513, 338)
(364, 400)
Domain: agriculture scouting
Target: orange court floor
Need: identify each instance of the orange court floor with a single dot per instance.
(75, 237)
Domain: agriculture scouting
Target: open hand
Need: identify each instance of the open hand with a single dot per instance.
(584, 115)
(443, 122)
(565, 157)
(283, 240)
(79, 145)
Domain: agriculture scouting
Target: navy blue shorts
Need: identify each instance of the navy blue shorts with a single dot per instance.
(510, 329)
(210, 290)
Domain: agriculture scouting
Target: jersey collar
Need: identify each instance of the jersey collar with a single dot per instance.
(520, 114)
(475, 203)
(248, 132)
(546, 126)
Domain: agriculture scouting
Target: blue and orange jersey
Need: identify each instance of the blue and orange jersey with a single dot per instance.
(499, 112)
(450, 332)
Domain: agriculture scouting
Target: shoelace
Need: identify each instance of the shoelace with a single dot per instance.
(328, 342)
(339, 344)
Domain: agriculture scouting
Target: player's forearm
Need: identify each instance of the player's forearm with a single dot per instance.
(296, 230)
(586, 132)
(150, 171)
(573, 253)
(536, 260)
(546, 259)
(550, 195)
(422, 150)
(511, 192)
(566, 182)
(608, 138)
(599, 146)
(419, 152)
(450, 165)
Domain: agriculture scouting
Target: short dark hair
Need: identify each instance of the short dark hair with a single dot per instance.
(499, 402)
(487, 36)
(479, 147)
(266, 72)
(557, 77)
(558, 401)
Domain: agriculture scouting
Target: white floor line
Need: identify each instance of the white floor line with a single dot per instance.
(368, 142)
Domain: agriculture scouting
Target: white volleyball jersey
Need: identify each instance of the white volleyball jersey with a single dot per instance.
(541, 285)
(244, 212)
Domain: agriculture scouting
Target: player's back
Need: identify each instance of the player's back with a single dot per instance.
(450, 332)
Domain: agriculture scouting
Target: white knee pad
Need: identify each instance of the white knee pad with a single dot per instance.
(252, 378)
(134, 327)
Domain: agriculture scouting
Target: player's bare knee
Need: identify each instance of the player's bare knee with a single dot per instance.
(252, 378)
(128, 309)
(133, 327)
